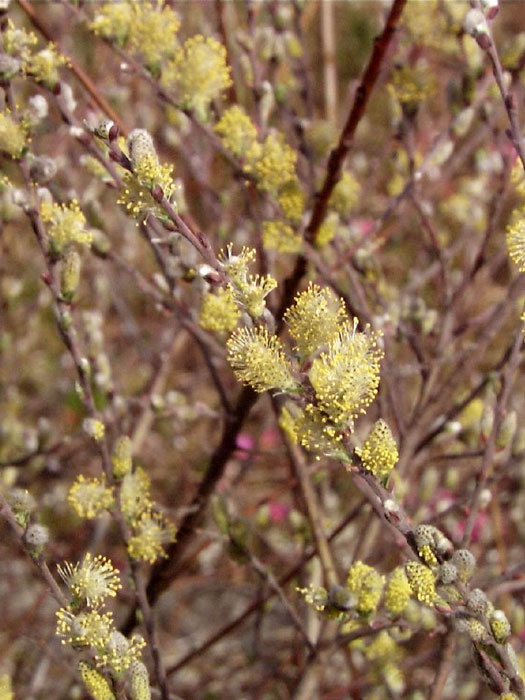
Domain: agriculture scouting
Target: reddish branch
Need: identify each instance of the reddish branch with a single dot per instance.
(339, 153)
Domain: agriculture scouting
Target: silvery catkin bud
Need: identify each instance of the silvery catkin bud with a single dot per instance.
(36, 537)
(104, 128)
(42, 169)
(140, 689)
(22, 504)
(490, 8)
(9, 66)
(141, 146)
(465, 563)
(478, 602)
(37, 109)
(447, 573)
(70, 274)
(476, 25)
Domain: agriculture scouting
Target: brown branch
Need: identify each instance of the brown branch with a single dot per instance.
(165, 571)
(362, 96)
(338, 155)
(445, 665)
(253, 607)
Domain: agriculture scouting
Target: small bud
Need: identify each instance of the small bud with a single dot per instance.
(9, 66)
(36, 537)
(70, 274)
(476, 24)
(42, 169)
(392, 508)
(507, 430)
(122, 457)
(22, 504)
(220, 513)
(341, 599)
(157, 193)
(478, 602)
(500, 626)
(38, 108)
(485, 497)
(85, 367)
(476, 630)
(465, 563)
(68, 98)
(77, 132)
(140, 145)
(490, 8)
(447, 573)
(19, 197)
(103, 128)
(94, 428)
(65, 320)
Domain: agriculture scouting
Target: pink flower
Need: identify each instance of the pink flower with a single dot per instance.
(278, 511)
(245, 443)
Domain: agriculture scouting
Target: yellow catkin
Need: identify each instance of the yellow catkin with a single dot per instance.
(367, 584)
(516, 243)
(219, 311)
(95, 682)
(421, 581)
(236, 130)
(397, 592)
(90, 497)
(346, 376)
(314, 319)
(379, 453)
(198, 73)
(258, 359)
(276, 235)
